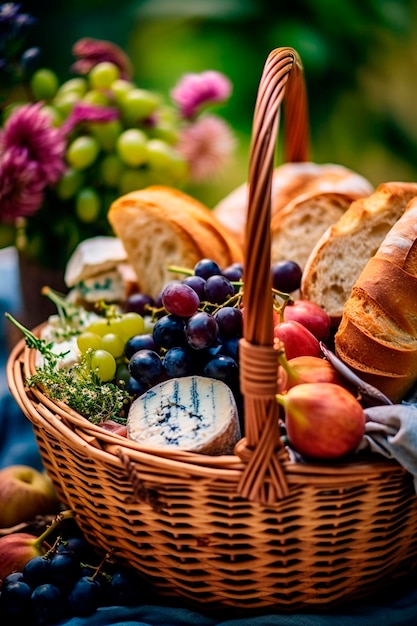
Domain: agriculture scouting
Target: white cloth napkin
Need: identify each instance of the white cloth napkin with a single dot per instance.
(391, 430)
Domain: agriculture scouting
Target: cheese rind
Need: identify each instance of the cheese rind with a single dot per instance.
(194, 413)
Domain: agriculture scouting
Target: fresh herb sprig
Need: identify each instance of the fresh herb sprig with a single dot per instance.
(77, 386)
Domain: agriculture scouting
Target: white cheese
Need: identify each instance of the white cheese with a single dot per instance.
(94, 256)
(194, 413)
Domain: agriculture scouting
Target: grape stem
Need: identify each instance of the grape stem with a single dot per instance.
(55, 523)
(286, 298)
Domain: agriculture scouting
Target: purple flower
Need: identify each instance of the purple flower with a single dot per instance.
(206, 145)
(21, 187)
(89, 51)
(29, 130)
(195, 90)
(84, 112)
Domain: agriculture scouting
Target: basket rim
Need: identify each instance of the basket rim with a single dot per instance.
(55, 414)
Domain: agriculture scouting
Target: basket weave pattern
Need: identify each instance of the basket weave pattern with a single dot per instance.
(254, 529)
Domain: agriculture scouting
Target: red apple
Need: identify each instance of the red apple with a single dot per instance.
(310, 315)
(297, 340)
(306, 369)
(24, 493)
(323, 420)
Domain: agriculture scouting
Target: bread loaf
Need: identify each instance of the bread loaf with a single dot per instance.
(377, 336)
(343, 250)
(162, 227)
(305, 199)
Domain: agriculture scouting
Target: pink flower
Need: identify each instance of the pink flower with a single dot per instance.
(194, 90)
(84, 112)
(21, 187)
(89, 51)
(206, 145)
(29, 131)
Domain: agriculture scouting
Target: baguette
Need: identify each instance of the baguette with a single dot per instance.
(305, 198)
(162, 227)
(343, 250)
(377, 336)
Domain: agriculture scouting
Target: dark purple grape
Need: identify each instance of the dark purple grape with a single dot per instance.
(15, 599)
(37, 571)
(230, 321)
(168, 332)
(85, 596)
(126, 588)
(14, 577)
(146, 366)
(180, 299)
(201, 330)
(218, 289)
(197, 283)
(178, 362)
(286, 276)
(230, 347)
(135, 387)
(206, 268)
(234, 272)
(64, 568)
(139, 303)
(139, 342)
(48, 603)
(223, 368)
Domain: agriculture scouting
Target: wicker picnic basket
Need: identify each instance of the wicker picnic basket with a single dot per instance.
(255, 529)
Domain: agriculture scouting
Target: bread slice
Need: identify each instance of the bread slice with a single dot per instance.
(162, 227)
(343, 250)
(289, 181)
(377, 335)
(194, 413)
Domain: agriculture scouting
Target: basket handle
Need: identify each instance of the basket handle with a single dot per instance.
(263, 478)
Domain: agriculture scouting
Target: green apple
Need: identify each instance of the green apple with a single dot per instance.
(25, 492)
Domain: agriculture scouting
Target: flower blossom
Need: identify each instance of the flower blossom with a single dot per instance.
(29, 130)
(195, 90)
(84, 112)
(206, 145)
(89, 51)
(21, 187)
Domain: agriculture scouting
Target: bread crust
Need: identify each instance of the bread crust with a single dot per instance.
(162, 227)
(377, 335)
(343, 250)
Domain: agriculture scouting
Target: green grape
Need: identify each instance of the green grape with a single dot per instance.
(138, 104)
(113, 343)
(111, 169)
(54, 114)
(132, 179)
(99, 327)
(44, 84)
(131, 147)
(160, 154)
(164, 131)
(104, 364)
(88, 341)
(82, 152)
(106, 133)
(122, 373)
(131, 324)
(87, 205)
(179, 170)
(96, 97)
(69, 183)
(65, 102)
(103, 74)
(77, 85)
(119, 89)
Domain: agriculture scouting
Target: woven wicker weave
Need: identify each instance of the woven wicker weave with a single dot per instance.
(254, 529)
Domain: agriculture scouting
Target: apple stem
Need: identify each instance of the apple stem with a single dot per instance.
(56, 522)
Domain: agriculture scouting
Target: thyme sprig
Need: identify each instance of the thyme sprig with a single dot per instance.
(77, 386)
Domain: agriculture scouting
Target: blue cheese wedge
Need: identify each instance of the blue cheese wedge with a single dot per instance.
(194, 414)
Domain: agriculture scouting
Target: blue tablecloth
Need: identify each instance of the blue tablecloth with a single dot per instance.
(17, 445)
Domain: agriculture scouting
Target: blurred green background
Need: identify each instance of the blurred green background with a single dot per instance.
(360, 61)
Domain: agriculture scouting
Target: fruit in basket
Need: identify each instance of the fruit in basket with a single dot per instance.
(310, 315)
(296, 339)
(306, 369)
(24, 493)
(323, 420)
